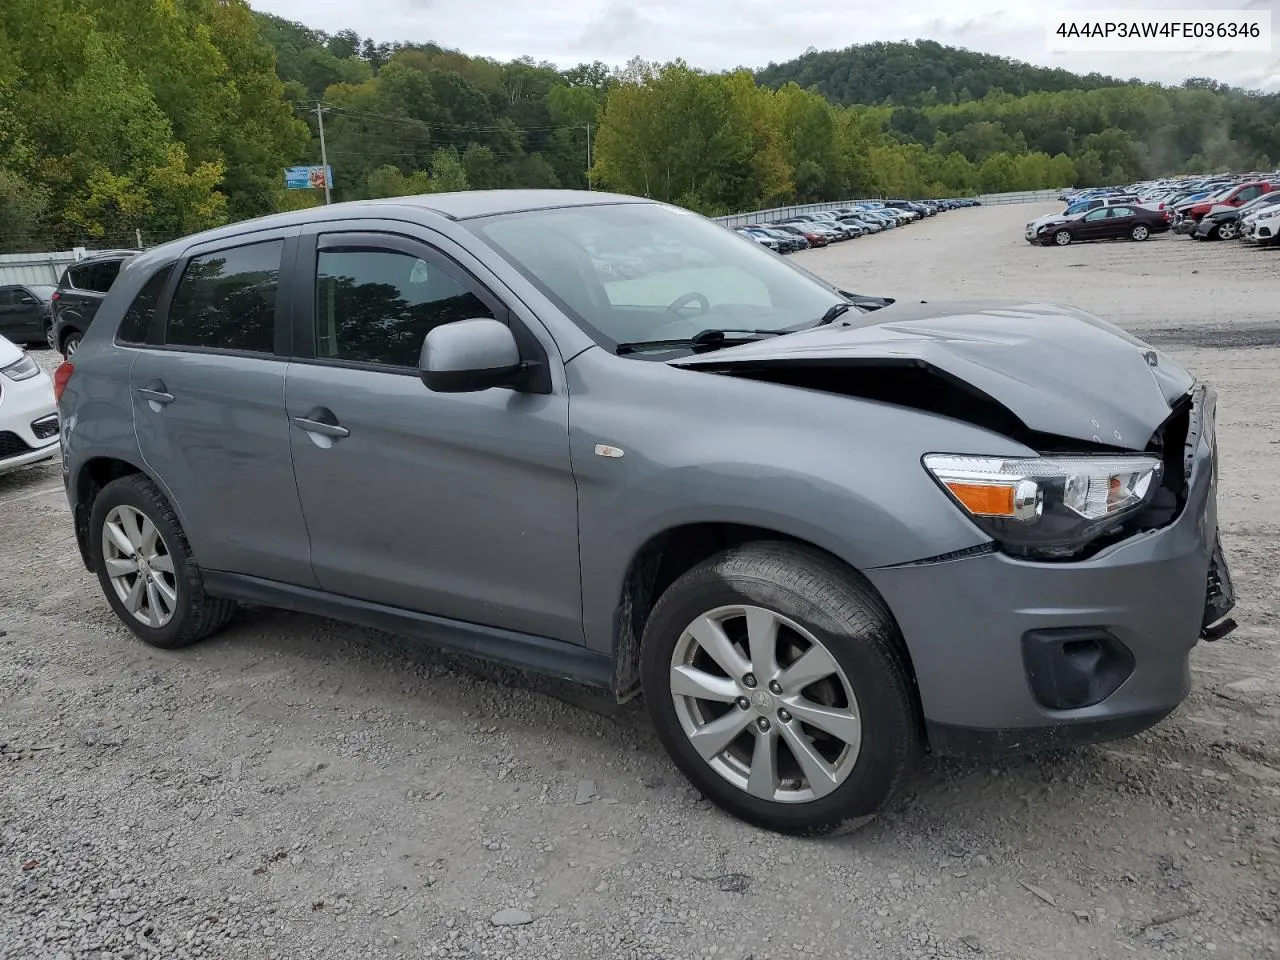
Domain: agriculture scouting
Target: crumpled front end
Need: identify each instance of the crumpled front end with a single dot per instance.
(1015, 655)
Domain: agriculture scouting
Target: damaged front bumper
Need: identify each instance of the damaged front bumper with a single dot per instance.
(1014, 655)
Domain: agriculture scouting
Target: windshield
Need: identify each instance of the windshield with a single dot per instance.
(631, 272)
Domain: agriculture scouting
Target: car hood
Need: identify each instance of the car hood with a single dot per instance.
(1057, 369)
(9, 352)
(1054, 219)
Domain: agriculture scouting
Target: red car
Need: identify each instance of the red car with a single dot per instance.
(815, 239)
(1233, 197)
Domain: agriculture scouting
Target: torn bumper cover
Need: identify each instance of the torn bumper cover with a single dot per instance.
(1014, 656)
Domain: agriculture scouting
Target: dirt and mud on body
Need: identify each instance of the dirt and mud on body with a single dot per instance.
(300, 789)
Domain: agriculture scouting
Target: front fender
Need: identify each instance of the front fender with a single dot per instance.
(841, 473)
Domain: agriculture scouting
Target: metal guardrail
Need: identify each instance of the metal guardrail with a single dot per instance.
(782, 213)
(1022, 196)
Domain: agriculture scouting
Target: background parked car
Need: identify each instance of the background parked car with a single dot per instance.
(1262, 228)
(81, 290)
(1223, 223)
(1104, 223)
(26, 313)
(28, 413)
(1189, 214)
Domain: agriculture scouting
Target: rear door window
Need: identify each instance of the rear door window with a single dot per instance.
(226, 300)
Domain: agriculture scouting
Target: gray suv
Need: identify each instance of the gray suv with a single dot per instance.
(611, 440)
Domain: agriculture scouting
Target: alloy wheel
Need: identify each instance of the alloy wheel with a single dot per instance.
(139, 566)
(1227, 231)
(49, 338)
(1062, 238)
(1140, 232)
(765, 704)
(71, 346)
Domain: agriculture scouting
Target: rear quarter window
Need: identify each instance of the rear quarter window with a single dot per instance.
(95, 277)
(142, 311)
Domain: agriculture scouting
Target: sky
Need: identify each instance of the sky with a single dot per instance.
(721, 34)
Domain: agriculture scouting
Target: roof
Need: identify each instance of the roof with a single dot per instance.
(461, 205)
(466, 204)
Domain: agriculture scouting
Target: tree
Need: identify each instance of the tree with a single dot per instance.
(388, 181)
(447, 172)
(998, 174)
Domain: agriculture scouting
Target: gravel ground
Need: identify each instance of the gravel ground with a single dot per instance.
(296, 788)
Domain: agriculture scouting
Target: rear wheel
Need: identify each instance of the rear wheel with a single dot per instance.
(49, 338)
(777, 681)
(1140, 231)
(1062, 237)
(70, 344)
(146, 569)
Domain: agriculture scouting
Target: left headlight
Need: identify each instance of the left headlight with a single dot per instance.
(23, 369)
(1048, 507)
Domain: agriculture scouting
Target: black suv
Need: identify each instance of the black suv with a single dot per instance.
(82, 288)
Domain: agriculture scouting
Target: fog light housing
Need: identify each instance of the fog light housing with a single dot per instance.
(45, 427)
(1073, 667)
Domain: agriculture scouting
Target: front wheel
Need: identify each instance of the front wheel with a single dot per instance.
(1139, 232)
(1226, 231)
(146, 569)
(778, 683)
(1062, 237)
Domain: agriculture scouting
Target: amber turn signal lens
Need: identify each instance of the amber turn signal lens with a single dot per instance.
(984, 499)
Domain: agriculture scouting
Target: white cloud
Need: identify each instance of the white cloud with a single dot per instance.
(718, 34)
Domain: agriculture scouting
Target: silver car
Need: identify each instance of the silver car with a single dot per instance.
(821, 532)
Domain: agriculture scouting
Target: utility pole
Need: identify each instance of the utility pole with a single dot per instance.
(588, 156)
(324, 157)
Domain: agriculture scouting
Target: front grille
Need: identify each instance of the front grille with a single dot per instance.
(12, 445)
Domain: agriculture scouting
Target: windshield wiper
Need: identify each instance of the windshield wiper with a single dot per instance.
(714, 337)
(833, 312)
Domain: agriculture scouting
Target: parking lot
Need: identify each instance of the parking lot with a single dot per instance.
(296, 788)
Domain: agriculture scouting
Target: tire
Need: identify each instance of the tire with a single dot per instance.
(1062, 238)
(192, 614)
(1225, 231)
(1139, 232)
(49, 339)
(813, 600)
(71, 343)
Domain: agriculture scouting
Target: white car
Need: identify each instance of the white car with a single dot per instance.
(28, 414)
(1262, 228)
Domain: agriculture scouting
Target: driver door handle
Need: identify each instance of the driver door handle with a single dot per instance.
(332, 430)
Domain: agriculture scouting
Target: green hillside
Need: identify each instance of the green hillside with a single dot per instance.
(919, 73)
(119, 116)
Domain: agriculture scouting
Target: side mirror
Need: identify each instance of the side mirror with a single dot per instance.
(470, 355)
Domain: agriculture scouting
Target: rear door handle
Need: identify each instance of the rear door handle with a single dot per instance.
(319, 427)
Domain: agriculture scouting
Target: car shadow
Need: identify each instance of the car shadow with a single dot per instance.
(961, 807)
